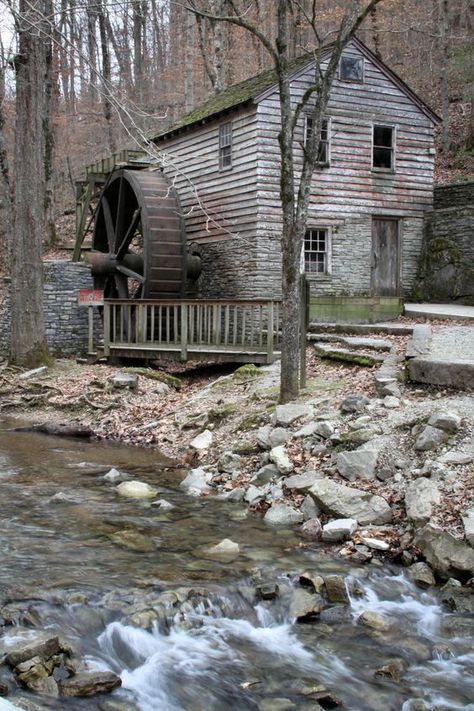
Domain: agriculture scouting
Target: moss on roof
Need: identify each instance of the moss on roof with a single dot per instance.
(233, 96)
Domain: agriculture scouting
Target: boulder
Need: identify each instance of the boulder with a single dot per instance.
(312, 529)
(324, 429)
(468, 523)
(305, 604)
(202, 441)
(265, 474)
(358, 464)
(344, 502)
(197, 482)
(255, 494)
(302, 482)
(86, 684)
(47, 686)
(136, 490)
(125, 381)
(336, 589)
(445, 420)
(309, 509)
(308, 430)
(421, 574)
(443, 552)
(278, 436)
(236, 495)
(430, 438)
(339, 530)
(281, 460)
(263, 436)
(285, 415)
(420, 498)
(282, 515)
(43, 648)
(374, 620)
(229, 463)
(226, 550)
(454, 457)
(354, 403)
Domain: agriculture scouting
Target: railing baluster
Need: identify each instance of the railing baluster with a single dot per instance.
(152, 323)
(226, 326)
(244, 314)
(167, 325)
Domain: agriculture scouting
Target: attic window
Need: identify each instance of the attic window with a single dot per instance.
(383, 151)
(323, 151)
(225, 146)
(351, 68)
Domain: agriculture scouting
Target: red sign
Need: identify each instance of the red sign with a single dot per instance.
(90, 297)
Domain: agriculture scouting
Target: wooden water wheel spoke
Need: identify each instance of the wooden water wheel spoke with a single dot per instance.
(119, 221)
(130, 273)
(109, 225)
(125, 243)
(121, 284)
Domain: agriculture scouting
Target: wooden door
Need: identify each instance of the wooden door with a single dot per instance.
(385, 257)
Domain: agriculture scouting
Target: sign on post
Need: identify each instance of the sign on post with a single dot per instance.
(90, 298)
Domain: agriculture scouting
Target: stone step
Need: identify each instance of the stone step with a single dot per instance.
(394, 329)
(375, 344)
(324, 350)
(443, 357)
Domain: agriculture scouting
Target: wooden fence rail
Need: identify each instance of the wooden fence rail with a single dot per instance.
(188, 328)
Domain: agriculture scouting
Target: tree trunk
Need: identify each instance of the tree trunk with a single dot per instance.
(5, 182)
(49, 137)
(106, 77)
(444, 44)
(28, 343)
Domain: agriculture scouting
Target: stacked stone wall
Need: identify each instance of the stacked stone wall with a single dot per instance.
(66, 323)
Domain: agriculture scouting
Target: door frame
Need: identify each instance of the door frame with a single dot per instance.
(399, 221)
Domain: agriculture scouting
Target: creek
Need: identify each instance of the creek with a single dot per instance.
(205, 641)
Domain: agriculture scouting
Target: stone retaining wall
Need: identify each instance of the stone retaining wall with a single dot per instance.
(446, 270)
(66, 324)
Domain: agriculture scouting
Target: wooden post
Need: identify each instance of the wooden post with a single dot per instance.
(106, 329)
(304, 321)
(184, 332)
(90, 315)
(270, 329)
(82, 206)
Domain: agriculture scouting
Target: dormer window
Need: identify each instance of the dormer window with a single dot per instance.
(351, 68)
(225, 146)
(323, 151)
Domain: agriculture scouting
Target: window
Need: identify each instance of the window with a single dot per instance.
(323, 152)
(317, 256)
(383, 151)
(351, 68)
(225, 146)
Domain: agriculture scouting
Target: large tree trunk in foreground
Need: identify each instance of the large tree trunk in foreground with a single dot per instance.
(28, 343)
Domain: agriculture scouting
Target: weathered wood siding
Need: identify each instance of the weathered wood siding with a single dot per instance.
(219, 206)
(346, 195)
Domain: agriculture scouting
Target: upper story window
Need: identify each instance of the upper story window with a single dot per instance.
(317, 251)
(351, 68)
(383, 147)
(225, 146)
(323, 151)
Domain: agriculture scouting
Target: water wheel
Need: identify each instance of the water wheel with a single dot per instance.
(138, 246)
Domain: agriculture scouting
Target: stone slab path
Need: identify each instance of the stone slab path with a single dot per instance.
(443, 357)
(453, 311)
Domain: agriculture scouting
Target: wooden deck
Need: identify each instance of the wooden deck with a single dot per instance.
(207, 330)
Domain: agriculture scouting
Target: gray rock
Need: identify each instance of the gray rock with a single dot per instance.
(375, 544)
(468, 523)
(307, 430)
(421, 574)
(236, 495)
(115, 476)
(278, 436)
(358, 464)
(312, 529)
(229, 463)
(132, 540)
(163, 505)
(263, 436)
(443, 552)
(361, 436)
(33, 373)
(136, 490)
(391, 402)
(339, 530)
(125, 380)
(43, 647)
(161, 389)
(197, 482)
(345, 502)
(226, 550)
(354, 403)
(374, 620)
(302, 482)
(282, 515)
(385, 385)
(459, 599)
(454, 457)
(255, 494)
(202, 441)
(86, 684)
(336, 589)
(309, 509)
(324, 429)
(420, 499)
(360, 422)
(285, 415)
(305, 604)
(430, 438)
(445, 420)
(265, 474)
(281, 460)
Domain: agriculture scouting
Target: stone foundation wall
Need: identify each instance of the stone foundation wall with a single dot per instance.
(66, 324)
(446, 268)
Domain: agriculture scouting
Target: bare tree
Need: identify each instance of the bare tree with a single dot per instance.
(28, 343)
(295, 185)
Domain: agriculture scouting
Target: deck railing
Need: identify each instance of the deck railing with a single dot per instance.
(206, 326)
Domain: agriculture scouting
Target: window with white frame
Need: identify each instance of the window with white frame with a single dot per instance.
(324, 141)
(225, 146)
(351, 68)
(383, 147)
(317, 251)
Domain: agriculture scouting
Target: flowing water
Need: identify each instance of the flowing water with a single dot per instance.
(186, 631)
